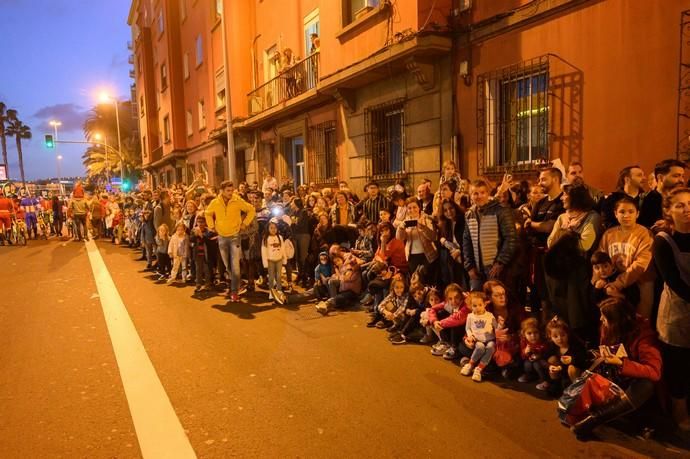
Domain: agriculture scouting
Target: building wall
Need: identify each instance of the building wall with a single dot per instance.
(626, 54)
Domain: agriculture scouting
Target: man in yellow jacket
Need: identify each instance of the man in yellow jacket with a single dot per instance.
(224, 215)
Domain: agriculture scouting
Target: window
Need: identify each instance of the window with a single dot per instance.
(218, 7)
(144, 149)
(166, 129)
(168, 178)
(202, 115)
(185, 66)
(158, 100)
(189, 121)
(513, 118)
(183, 10)
(140, 65)
(272, 63)
(199, 51)
(322, 164)
(160, 22)
(311, 26)
(354, 9)
(220, 88)
(164, 77)
(218, 169)
(191, 171)
(385, 139)
(141, 106)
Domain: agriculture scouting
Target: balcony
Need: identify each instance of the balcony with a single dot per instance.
(132, 74)
(290, 83)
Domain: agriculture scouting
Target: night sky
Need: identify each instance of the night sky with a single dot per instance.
(56, 57)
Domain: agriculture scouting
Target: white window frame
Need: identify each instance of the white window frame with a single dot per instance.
(220, 88)
(161, 22)
(185, 65)
(201, 108)
(309, 21)
(166, 129)
(164, 77)
(189, 122)
(183, 10)
(270, 63)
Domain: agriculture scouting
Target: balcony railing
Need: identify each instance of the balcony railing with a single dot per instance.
(290, 83)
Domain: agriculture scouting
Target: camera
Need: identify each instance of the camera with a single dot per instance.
(410, 223)
(277, 211)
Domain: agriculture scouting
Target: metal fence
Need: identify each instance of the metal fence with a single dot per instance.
(289, 83)
(322, 167)
(385, 140)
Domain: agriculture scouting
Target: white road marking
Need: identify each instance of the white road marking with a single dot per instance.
(158, 428)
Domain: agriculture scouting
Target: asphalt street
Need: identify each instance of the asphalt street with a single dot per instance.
(244, 380)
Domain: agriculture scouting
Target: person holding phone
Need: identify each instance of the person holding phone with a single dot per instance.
(418, 233)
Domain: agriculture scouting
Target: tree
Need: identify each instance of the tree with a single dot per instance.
(20, 131)
(3, 141)
(102, 120)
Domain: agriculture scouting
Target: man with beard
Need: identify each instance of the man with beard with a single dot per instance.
(669, 174)
(630, 183)
(576, 176)
(538, 227)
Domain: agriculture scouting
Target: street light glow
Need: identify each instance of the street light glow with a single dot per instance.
(55, 123)
(59, 157)
(97, 136)
(104, 97)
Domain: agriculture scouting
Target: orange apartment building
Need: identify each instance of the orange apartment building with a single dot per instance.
(391, 89)
(373, 100)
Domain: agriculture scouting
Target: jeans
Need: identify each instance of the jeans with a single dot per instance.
(302, 242)
(231, 252)
(274, 269)
(483, 352)
(177, 263)
(203, 272)
(80, 227)
(535, 366)
(148, 251)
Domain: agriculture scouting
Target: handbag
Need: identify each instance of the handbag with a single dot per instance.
(289, 249)
(589, 390)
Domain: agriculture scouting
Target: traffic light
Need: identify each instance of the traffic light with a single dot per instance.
(49, 142)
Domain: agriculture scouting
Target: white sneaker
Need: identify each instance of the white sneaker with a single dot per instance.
(477, 375)
(466, 369)
(322, 308)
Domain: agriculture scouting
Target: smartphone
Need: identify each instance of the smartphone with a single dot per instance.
(410, 223)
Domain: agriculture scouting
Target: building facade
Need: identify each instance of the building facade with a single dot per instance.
(589, 81)
(329, 90)
(321, 90)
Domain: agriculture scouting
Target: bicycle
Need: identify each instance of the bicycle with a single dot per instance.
(19, 234)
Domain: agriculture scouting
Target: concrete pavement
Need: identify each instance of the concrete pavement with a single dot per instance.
(248, 379)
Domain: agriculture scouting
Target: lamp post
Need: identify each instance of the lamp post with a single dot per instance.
(232, 167)
(55, 124)
(105, 98)
(59, 158)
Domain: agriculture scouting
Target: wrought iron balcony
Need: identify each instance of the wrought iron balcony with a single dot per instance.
(288, 84)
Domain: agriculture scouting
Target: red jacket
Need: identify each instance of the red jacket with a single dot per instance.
(457, 318)
(538, 350)
(644, 356)
(394, 254)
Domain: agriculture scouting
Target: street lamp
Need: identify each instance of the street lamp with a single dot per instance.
(105, 98)
(56, 124)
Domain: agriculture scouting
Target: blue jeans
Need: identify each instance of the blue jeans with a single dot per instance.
(483, 352)
(231, 251)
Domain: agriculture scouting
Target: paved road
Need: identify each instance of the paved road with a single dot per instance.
(248, 380)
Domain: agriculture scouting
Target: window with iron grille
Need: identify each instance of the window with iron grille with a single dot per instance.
(513, 117)
(385, 139)
(321, 157)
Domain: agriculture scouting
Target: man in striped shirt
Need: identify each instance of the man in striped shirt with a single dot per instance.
(369, 208)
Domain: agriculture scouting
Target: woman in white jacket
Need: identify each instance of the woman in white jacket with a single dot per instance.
(273, 257)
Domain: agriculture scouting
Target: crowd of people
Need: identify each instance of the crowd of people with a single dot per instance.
(530, 280)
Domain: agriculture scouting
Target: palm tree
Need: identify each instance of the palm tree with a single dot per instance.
(3, 141)
(102, 120)
(20, 131)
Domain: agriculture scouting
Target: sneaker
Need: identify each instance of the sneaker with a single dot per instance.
(464, 361)
(427, 339)
(477, 375)
(270, 295)
(450, 354)
(235, 298)
(544, 385)
(380, 324)
(197, 289)
(398, 339)
(367, 300)
(505, 373)
(322, 308)
(280, 297)
(392, 328)
(372, 323)
(439, 350)
(242, 290)
(170, 281)
(524, 378)
(466, 369)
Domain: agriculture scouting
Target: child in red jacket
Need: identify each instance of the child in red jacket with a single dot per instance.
(450, 329)
(533, 351)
